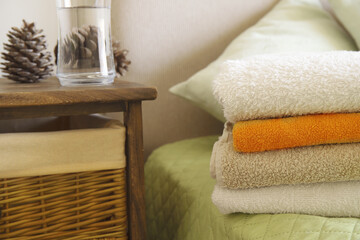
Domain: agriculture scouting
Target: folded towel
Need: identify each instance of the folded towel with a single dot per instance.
(273, 134)
(322, 163)
(341, 199)
(272, 86)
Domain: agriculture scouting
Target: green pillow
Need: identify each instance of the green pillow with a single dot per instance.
(348, 13)
(291, 26)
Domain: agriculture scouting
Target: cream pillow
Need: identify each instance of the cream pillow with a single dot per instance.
(291, 26)
(348, 13)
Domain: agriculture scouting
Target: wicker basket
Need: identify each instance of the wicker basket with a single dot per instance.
(76, 206)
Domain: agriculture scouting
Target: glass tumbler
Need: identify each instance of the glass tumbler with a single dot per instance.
(85, 54)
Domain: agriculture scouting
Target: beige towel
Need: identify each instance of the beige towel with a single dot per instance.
(99, 146)
(323, 163)
(341, 199)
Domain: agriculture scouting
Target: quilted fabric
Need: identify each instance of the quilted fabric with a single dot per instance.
(179, 207)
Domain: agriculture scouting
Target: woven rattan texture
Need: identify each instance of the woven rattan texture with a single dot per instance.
(88, 205)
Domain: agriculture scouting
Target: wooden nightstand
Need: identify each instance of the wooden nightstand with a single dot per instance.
(48, 98)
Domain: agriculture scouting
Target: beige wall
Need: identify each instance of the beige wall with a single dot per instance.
(168, 42)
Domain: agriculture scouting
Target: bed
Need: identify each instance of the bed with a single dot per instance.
(177, 177)
(178, 196)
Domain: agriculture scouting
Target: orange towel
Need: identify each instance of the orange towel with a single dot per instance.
(272, 134)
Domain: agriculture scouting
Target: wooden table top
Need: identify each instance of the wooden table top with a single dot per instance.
(50, 93)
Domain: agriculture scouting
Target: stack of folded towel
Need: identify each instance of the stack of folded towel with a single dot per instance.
(292, 140)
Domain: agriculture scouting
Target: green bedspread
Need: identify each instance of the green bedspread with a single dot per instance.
(178, 195)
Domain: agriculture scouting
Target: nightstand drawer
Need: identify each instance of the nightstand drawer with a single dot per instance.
(64, 181)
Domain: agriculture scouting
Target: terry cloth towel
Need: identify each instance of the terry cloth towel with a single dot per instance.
(341, 199)
(98, 146)
(322, 163)
(273, 134)
(280, 85)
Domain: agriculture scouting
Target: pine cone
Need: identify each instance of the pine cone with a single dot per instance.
(121, 63)
(26, 59)
(80, 48)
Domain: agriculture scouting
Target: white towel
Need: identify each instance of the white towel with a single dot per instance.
(341, 199)
(280, 85)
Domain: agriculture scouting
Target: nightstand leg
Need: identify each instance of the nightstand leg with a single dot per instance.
(135, 171)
